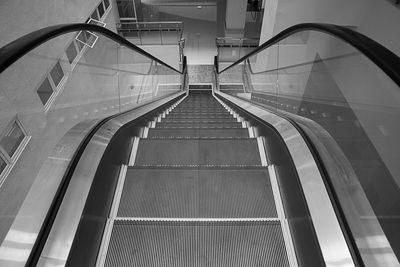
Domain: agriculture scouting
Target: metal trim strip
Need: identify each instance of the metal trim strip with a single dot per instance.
(329, 234)
(67, 220)
(291, 253)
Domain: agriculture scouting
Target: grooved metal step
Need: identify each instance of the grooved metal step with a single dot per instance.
(137, 243)
(200, 113)
(199, 124)
(198, 116)
(196, 110)
(197, 193)
(198, 152)
(199, 120)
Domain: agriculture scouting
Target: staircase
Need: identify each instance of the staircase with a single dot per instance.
(198, 192)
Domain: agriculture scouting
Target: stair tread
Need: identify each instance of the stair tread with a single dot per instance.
(197, 193)
(198, 152)
(198, 132)
(137, 243)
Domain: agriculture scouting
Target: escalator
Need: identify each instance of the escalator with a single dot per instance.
(197, 193)
(202, 184)
(250, 172)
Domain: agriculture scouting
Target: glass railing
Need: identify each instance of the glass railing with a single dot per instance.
(50, 81)
(230, 49)
(152, 33)
(342, 88)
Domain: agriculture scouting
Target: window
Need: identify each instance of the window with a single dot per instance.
(3, 165)
(45, 91)
(126, 9)
(95, 15)
(12, 139)
(100, 8)
(71, 52)
(50, 83)
(57, 74)
(106, 3)
(86, 38)
(96, 22)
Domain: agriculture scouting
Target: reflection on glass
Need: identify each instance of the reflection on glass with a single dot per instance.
(74, 87)
(100, 8)
(126, 9)
(351, 109)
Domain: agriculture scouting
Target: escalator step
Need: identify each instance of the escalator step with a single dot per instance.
(198, 116)
(197, 110)
(199, 124)
(138, 243)
(199, 120)
(190, 132)
(200, 113)
(198, 152)
(194, 193)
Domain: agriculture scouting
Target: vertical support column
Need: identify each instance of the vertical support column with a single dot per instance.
(235, 18)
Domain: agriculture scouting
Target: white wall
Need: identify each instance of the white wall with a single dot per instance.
(235, 18)
(377, 19)
(90, 82)
(381, 23)
(19, 17)
(207, 12)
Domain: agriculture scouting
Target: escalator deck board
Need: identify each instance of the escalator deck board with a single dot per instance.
(139, 243)
(191, 193)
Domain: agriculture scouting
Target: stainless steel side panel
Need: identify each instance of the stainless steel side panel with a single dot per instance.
(56, 250)
(329, 234)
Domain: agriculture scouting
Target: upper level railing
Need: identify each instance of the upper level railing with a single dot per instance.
(230, 49)
(154, 33)
(151, 33)
(236, 42)
(342, 88)
(52, 80)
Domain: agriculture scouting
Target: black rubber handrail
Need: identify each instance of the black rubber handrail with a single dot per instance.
(377, 53)
(327, 180)
(55, 205)
(13, 51)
